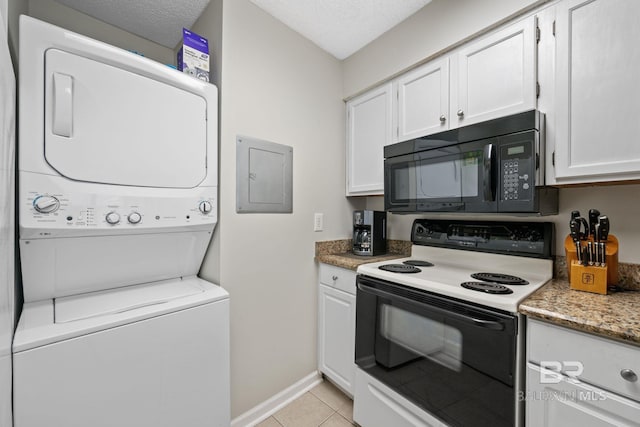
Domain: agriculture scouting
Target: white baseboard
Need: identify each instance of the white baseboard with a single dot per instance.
(272, 405)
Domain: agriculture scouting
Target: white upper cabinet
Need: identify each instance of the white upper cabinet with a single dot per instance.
(495, 76)
(369, 129)
(423, 100)
(597, 91)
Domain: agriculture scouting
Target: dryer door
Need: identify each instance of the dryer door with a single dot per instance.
(107, 125)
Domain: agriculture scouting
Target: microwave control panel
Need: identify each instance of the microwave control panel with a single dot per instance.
(517, 172)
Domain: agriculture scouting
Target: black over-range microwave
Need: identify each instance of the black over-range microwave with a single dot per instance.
(493, 166)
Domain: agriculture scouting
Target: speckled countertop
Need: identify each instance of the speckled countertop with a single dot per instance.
(616, 315)
(338, 253)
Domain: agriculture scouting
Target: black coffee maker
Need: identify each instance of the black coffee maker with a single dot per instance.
(369, 232)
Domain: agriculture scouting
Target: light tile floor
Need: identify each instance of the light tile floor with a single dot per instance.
(324, 405)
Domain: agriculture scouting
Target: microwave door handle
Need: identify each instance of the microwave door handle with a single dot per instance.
(482, 323)
(488, 184)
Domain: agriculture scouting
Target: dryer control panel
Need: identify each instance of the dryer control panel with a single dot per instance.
(49, 212)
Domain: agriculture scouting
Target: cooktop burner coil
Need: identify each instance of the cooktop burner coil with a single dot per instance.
(504, 279)
(400, 268)
(489, 288)
(418, 263)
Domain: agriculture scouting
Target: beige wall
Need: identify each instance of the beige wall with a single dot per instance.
(279, 87)
(436, 27)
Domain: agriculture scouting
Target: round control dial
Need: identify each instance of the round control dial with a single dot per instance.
(113, 218)
(46, 204)
(134, 218)
(205, 207)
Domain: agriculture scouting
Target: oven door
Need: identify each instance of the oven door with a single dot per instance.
(455, 360)
(459, 177)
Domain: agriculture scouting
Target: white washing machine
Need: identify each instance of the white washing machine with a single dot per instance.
(117, 203)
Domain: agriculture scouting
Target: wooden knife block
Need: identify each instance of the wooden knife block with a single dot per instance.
(592, 278)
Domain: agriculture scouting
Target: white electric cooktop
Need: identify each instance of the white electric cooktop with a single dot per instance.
(452, 267)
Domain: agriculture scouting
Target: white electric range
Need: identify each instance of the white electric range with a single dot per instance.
(437, 341)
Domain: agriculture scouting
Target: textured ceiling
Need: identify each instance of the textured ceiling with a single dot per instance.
(341, 27)
(160, 21)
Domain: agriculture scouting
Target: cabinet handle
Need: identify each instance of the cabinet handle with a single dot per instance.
(460, 113)
(335, 278)
(443, 119)
(629, 375)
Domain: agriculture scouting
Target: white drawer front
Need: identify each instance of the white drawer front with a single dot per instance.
(564, 403)
(589, 358)
(376, 405)
(339, 278)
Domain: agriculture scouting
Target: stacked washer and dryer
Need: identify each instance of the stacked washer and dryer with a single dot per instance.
(117, 204)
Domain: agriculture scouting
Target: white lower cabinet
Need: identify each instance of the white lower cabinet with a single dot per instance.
(577, 379)
(337, 326)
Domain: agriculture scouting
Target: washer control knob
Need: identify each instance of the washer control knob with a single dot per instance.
(205, 207)
(113, 218)
(134, 218)
(46, 204)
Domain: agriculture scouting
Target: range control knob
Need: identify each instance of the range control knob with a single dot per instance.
(46, 204)
(113, 218)
(134, 218)
(205, 207)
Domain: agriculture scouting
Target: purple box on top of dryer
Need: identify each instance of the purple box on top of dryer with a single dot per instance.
(193, 56)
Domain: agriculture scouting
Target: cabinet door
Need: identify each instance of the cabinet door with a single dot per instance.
(495, 76)
(597, 91)
(555, 400)
(423, 100)
(369, 129)
(336, 336)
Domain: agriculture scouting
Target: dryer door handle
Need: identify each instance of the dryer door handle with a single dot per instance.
(62, 105)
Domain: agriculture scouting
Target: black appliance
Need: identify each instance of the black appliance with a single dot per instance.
(493, 166)
(369, 232)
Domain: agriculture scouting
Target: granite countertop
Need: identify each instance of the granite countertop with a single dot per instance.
(338, 253)
(616, 315)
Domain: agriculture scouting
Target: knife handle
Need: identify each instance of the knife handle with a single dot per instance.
(593, 220)
(603, 220)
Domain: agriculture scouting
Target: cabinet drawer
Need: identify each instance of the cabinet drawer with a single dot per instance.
(339, 278)
(603, 361)
(565, 403)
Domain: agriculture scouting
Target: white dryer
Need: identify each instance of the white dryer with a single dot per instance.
(117, 203)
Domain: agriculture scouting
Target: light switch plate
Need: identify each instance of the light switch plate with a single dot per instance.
(318, 221)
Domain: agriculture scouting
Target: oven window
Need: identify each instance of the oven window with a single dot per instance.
(422, 336)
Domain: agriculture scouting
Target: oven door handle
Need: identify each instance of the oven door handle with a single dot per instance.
(482, 323)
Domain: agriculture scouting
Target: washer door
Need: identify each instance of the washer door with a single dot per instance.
(111, 126)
